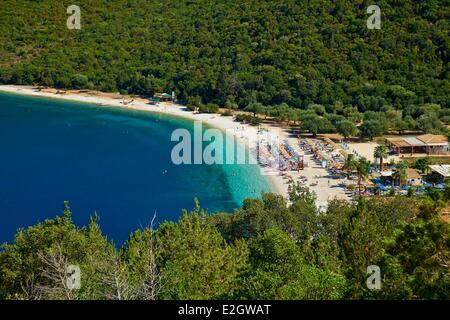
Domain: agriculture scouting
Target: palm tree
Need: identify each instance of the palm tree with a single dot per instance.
(400, 173)
(362, 169)
(350, 164)
(381, 152)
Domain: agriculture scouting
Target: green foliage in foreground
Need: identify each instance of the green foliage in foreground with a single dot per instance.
(267, 249)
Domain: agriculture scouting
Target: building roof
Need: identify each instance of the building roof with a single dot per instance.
(442, 169)
(419, 141)
(414, 142)
(433, 138)
(398, 142)
(387, 173)
(412, 174)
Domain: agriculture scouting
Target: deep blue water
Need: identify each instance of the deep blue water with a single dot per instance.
(105, 160)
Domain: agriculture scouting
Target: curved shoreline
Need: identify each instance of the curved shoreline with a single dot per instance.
(276, 183)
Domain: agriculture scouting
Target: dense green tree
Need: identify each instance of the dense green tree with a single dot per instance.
(34, 265)
(352, 114)
(400, 125)
(422, 164)
(430, 123)
(430, 109)
(315, 124)
(195, 259)
(373, 128)
(278, 271)
(317, 108)
(208, 108)
(254, 108)
(346, 128)
(416, 262)
(362, 234)
(231, 104)
(80, 81)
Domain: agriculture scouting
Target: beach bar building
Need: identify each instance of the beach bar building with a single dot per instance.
(439, 172)
(425, 144)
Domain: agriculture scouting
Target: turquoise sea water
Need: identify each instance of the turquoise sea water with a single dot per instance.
(106, 160)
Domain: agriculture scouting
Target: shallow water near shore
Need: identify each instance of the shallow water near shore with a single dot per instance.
(107, 160)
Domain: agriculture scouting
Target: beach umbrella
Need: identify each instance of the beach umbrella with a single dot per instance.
(381, 186)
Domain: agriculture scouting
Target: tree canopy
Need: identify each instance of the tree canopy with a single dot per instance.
(268, 249)
(270, 52)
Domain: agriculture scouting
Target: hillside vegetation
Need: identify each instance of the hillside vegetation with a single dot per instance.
(263, 54)
(265, 250)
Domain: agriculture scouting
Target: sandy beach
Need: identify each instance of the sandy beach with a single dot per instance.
(318, 177)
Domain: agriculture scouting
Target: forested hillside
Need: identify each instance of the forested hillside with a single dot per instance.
(272, 52)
